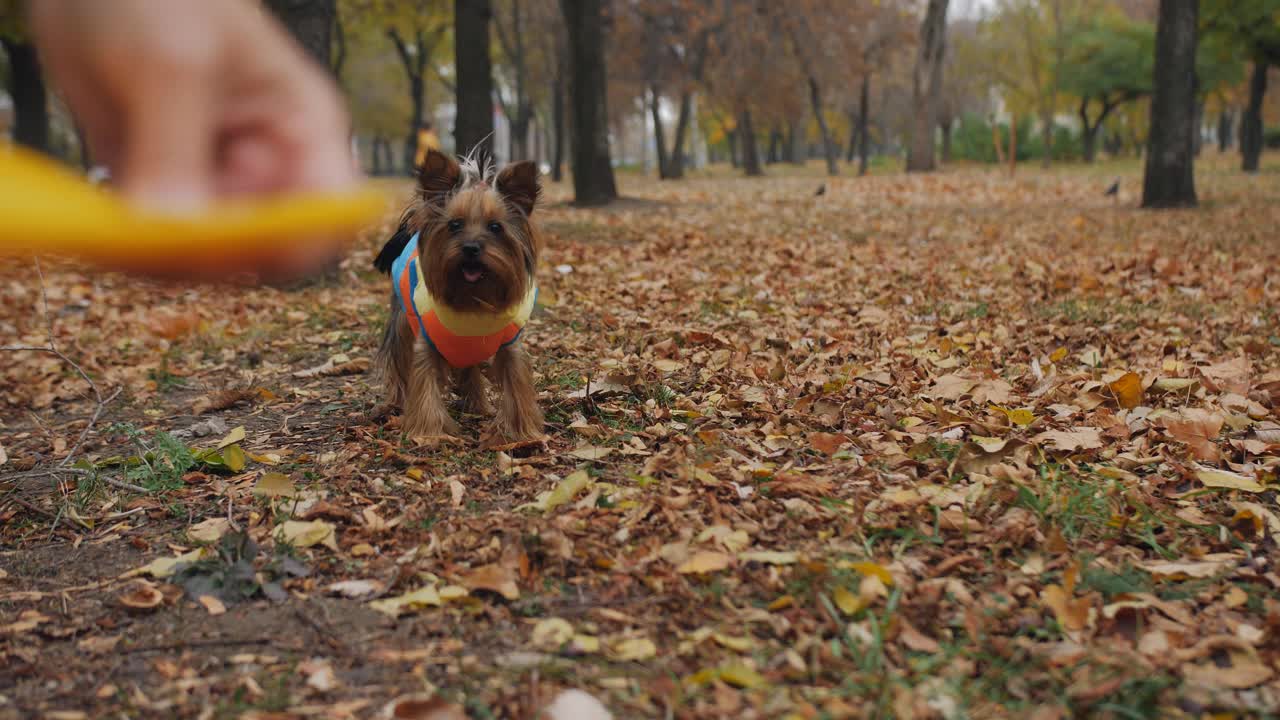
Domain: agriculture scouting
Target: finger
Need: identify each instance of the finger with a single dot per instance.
(167, 158)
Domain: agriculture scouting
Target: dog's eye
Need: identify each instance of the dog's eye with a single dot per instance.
(455, 225)
(495, 228)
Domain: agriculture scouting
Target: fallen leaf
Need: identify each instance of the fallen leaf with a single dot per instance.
(422, 707)
(1211, 566)
(551, 633)
(1223, 479)
(1198, 429)
(1127, 390)
(164, 567)
(770, 557)
(355, 589)
(422, 597)
(705, 561)
(591, 452)
(212, 604)
(848, 603)
(274, 484)
(494, 578)
(563, 492)
(210, 530)
(304, 534)
(632, 649)
(1070, 440)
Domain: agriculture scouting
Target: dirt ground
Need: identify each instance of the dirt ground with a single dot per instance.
(958, 445)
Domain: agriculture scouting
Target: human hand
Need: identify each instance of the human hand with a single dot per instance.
(189, 102)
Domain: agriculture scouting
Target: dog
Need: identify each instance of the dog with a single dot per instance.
(462, 269)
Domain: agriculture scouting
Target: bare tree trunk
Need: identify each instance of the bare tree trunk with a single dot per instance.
(864, 138)
(659, 135)
(1251, 124)
(775, 146)
(311, 23)
(339, 46)
(675, 161)
(30, 99)
(1226, 123)
(557, 122)
(1197, 125)
(1046, 134)
(474, 126)
(593, 181)
(1169, 178)
(795, 142)
(1013, 144)
(750, 153)
(926, 86)
(828, 145)
(735, 157)
(945, 127)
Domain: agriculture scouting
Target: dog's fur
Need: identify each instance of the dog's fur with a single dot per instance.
(493, 209)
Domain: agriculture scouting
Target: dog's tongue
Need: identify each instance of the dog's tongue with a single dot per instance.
(472, 275)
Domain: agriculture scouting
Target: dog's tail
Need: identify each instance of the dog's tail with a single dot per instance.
(392, 249)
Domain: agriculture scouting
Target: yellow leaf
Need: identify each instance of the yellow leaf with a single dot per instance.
(1128, 390)
(782, 603)
(668, 366)
(740, 644)
(1223, 479)
(1057, 355)
(562, 493)
(704, 561)
(233, 458)
(742, 676)
(274, 484)
(1072, 613)
(633, 649)
(848, 603)
(233, 437)
(420, 598)
(770, 557)
(164, 567)
(870, 569)
(552, 633)
(305, 534)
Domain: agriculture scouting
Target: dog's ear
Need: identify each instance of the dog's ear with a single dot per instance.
(518, 184)
(438, 176)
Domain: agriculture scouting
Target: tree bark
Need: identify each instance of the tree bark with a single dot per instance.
(1226, 123)
(413, 58)
(945, 127)
(926, 86)
(675, 161)
(1169, 178)
(1046, 131)
(593, 181)
(864, 139)
(659, 135)
(775, 146)
(473, 130)
(557, 119)
(828, 145)
(747, 138)
(1251, 123)
(311, 24)
(1197, 125)
(30, 99)
(791, 149)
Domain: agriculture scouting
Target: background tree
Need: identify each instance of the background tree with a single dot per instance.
(474, 126)
(311, 23)
(25, 81)
(1169, 177)
(593, 181)
(926, 86)
(1106, 66)
(1253, 25)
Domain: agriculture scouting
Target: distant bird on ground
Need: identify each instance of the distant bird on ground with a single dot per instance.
(822, 190)
(1114, 189)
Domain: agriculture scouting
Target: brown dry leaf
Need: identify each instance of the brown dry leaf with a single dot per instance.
(1223, 479)
(494, 578)
(221, 400)
(422, 707)
(274, 484)
(212, 604)
(951, 387)
(1197, 428)
(1070, 440)
(304, 534)
(1207, 567)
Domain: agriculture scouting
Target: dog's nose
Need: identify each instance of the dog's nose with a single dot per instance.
(471, 249)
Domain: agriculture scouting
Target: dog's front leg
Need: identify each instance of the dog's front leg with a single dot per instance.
(519, 417)
(425, 414)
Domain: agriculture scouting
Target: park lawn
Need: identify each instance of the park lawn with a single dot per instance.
(957, 445)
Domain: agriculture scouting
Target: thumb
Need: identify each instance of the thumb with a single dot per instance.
(168, 158)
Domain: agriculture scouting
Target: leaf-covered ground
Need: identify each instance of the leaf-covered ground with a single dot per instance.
(944, 446)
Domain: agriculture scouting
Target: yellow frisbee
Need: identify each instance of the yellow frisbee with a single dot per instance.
(47, 209)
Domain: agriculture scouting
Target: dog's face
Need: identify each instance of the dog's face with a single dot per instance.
(477, 246)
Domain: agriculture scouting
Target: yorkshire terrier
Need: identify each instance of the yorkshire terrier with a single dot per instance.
(462, 271)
